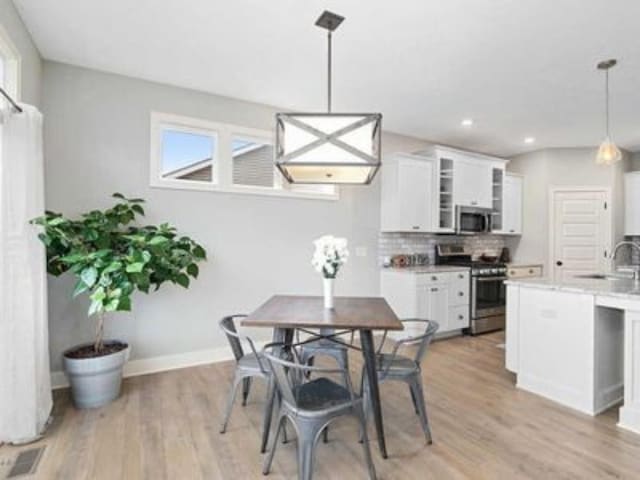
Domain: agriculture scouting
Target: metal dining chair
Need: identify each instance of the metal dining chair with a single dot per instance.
(310, 405)
(309, 351)
(248, 366)
(392, 366)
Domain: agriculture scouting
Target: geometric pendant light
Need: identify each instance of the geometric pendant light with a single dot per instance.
(608, 153)
(327, 147)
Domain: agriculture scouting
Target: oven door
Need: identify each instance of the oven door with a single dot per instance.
(488, 296)
(470, 221)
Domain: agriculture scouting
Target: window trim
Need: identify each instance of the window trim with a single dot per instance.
(222, 176)
(13, 65)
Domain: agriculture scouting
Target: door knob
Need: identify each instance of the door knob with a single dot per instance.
(559, 263)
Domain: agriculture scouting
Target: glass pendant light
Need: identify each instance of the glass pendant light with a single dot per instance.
(608, 153)
(328, 148)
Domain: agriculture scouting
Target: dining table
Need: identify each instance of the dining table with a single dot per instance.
(288, 313)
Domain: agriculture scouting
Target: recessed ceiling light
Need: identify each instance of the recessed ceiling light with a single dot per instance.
(529, 140)
(467, 122)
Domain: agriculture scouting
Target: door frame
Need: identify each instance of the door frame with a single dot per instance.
(608, 219)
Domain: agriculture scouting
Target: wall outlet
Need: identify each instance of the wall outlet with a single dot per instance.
(361, 251)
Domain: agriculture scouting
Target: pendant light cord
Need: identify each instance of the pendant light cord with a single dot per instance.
(606, 83)
(329, 72)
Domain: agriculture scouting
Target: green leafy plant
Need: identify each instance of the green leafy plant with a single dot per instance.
(112, 257)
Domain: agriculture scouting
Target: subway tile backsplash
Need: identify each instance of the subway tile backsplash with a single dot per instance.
(404, 243)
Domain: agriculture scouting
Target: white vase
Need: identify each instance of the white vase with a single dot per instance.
(328, 292)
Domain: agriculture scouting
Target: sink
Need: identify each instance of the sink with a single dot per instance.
(606, 276)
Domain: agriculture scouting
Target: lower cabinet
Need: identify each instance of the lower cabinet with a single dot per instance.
(442, 297)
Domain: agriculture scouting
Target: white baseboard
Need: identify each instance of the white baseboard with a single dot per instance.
(144, 366)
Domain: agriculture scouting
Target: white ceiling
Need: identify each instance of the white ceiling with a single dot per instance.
(517, 67)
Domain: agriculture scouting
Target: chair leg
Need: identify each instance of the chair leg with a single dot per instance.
(268, 413)
(232, 397)
(416, 386)
(266, 467)
(246, 386)
(413, 399)
(306, 445)
(365, 443)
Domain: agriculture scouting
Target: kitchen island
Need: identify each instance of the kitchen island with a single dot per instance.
(577, 342)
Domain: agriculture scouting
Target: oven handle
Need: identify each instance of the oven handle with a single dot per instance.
(489, 279)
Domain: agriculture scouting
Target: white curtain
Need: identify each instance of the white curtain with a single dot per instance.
(25, 383)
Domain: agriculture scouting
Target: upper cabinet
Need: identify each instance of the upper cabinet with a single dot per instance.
(407, 194)
(511, 206)
(472, 183)
(420, 192)
(632, 203)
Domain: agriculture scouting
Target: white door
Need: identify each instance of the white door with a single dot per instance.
(415, 178)
(580, 233)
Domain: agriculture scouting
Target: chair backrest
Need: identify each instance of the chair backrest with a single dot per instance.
(423, 340)
(290, 373)
(228, 326)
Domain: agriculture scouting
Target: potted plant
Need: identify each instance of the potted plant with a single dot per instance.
(111, 258)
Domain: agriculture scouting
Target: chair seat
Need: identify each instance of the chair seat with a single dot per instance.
(323, 344)
(321, 394)
(250, 362)
(397, 365)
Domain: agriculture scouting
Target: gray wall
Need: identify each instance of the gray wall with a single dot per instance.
(31, 62)
(560, 167)
(97, 142)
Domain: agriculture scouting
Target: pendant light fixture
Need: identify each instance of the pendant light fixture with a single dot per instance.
(608, 153)
(333, 148)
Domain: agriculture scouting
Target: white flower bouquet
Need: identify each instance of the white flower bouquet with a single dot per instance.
(330, 254)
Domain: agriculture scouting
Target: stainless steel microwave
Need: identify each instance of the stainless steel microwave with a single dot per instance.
(472, 220)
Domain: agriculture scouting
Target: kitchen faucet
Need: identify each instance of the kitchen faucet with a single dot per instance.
(636, 271)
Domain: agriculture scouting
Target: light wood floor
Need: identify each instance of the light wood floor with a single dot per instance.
(165, 426)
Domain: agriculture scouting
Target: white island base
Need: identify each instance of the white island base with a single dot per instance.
(577, 343)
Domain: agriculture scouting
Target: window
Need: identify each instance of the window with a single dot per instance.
(188, 153)
(253, 162)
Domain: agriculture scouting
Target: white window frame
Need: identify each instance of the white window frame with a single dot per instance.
(12, 65)
(222, 171)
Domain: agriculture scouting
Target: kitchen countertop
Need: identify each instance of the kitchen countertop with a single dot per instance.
(427, 269)
(623, 288)
(524, 264)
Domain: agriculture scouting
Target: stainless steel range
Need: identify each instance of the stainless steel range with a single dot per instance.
(488, 298)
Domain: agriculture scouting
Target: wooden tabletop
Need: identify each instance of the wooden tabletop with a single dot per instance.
(291, 311)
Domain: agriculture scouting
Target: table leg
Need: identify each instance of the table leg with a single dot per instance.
(279, 335)
(369, 356)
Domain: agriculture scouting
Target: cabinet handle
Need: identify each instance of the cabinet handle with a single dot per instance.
(416, 227)
(461, 294)
(434, 278)
(434, 289)
(474, 203)
(511, 231)
(460, 317)
(531, 270)
(461, 276)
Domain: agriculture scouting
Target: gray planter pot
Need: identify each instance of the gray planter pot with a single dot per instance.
(95, 381)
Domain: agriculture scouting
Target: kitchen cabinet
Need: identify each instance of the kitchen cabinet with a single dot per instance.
(420, 191)
(433, 303)
(524, 271)
(472, 183)
(439, 296)
(512, 205)
(407, 194)
(632, 203)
